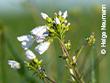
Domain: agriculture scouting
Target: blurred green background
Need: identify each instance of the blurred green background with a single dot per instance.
(18, 17)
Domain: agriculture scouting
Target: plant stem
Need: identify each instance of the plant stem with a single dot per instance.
(50, 79)
(3, 54)
(74, 68)
(79, 52)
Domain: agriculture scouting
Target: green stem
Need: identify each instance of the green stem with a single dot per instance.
(46, 77)
(75, 69)
(79, 52)
(50, 79)
(3, 55)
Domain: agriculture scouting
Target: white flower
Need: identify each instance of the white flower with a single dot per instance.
(26, 41)
(65, 14)
(57, 21)
(14, 64)
(74, 59)
(59, 13)
(44, 16)
(68, 24)
(65, 21)
(42, 47)
(30, 55)
(40, 33)
(71, 71)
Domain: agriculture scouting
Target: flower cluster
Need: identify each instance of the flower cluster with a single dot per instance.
(43, 36)
(38, 35)
(91, 39)
(57, 25)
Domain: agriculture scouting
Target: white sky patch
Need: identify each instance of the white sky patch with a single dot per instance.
(15, 4)
(10, 4)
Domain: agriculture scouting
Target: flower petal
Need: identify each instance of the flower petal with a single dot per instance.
(57, 21)
(44, 16)
(14, 64)
(40, 33)
(42, 47)
(30, 55)
(23, 38)
(65, 14)
(26, 41)
(59, 13)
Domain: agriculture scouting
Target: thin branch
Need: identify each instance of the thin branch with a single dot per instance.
(79, 80)
(50, 79)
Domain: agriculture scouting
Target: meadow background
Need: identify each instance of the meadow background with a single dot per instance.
(18, 17)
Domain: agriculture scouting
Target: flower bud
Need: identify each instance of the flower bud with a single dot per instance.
(14, 64)
(44, 16)
(57, 21)
(65, 14)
